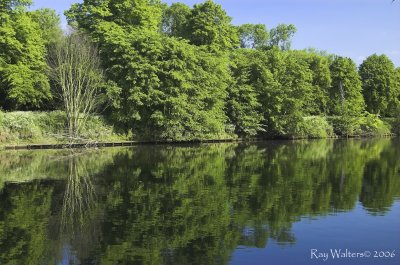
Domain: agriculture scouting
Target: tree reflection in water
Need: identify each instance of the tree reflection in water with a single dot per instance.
(183, 204)
(78, 221)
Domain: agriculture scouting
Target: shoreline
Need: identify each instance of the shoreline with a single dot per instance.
(94, 144)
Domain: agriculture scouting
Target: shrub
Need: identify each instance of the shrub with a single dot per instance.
(394, 124)
(346, 125)
(371, 125)
(317, 127)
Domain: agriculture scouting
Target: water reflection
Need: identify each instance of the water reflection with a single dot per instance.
(183, 205)
(79, 212)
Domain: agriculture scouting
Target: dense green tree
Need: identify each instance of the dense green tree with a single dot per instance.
(49, 24)
(243, 107)
(254, 36)
(162, 87)
(281, 36)
(23, 80)
(395, 107)
(380, 88)
(176, 72)
(93, 15)
(175, 19)
(278, 86)
(345, 92)
(346, 100)
(209, 25)
(285, 97)
(317, 101)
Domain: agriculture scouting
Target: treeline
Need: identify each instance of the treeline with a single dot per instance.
(175, 72)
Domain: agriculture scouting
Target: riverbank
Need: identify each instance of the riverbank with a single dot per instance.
(29, 128)
(46, 130)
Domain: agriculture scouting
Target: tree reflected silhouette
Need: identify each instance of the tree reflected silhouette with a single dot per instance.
(184, 204)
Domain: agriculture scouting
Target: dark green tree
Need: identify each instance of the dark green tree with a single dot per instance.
(346, 100)
(345, 92)
(254, 36)
(281, 36)
(380, 88)
(209, 25)
(243, 107)
(93, 15)
(49, 24)
(285, 97)
(23, 80)
(174, 20)
(162, 87)
(317, 101)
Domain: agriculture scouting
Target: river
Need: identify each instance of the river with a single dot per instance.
(273, 202)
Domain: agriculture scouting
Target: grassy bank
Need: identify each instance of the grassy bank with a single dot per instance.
(318, 127)
(17, 128)
(49, 127)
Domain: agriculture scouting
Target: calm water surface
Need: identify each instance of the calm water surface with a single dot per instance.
(265, 203)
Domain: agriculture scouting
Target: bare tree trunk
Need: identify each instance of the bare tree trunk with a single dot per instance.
(75, 68)
(341, 94)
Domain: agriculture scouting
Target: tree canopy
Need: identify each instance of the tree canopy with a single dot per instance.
(379, 84)
(181, 72)
(281, 36)
(23, 80)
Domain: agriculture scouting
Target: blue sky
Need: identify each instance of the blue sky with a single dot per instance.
(352, 28)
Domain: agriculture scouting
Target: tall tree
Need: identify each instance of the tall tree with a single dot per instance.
(253, 36)
(49, 24)
(286, 99)
(76, 71)
(174, 20)
(317, 101)
(162, 87)
(380, 88)
(94, 15)
(346, 100)
(209, 25)
(243, 107)
(281, 36)
(345, 92)
(23, 80)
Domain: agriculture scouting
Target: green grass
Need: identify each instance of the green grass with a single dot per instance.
(24, 127)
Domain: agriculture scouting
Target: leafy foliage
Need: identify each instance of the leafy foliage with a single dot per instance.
(49, 24)
(281, 36)
(345, 92)
(176, 72)
(243, 106)
(162, 87)
(175, 20)
(23, 80)
(254, 36)
(209, 25)
(380, 89)
(316, 102)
